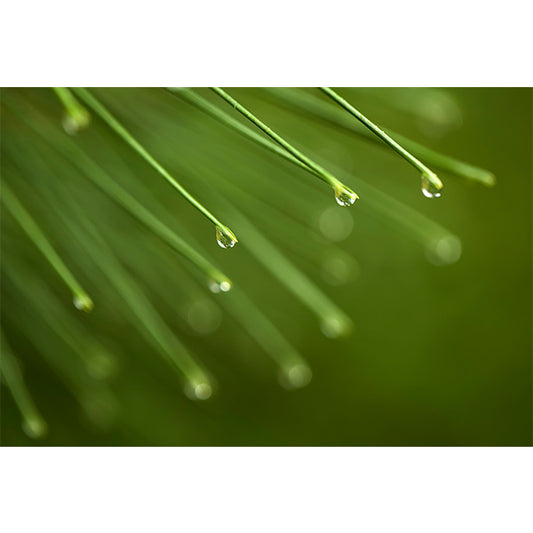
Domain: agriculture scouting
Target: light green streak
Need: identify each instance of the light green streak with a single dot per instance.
(34, 424)
(37, 236)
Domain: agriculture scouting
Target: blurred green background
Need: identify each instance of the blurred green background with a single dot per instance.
(439, 355)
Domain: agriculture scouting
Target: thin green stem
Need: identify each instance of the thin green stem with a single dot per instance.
(426, 172)
(321, 172)
(309, 104)
(114, 124)
(82, 300)
(34, 424)
(67, 99)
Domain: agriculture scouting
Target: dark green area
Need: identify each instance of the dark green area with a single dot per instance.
(440, 355)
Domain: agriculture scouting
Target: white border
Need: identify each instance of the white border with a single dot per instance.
(278, 42)
(429, 490)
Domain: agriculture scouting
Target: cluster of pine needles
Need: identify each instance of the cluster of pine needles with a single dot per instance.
(109, 201)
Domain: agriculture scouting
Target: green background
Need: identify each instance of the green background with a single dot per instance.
(440, 355)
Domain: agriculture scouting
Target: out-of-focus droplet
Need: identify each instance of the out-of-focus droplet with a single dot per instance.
(335, 326)
(203, 316)
(429, 189)
(216, 286)
(82, 302)
(225, 237)
(198, 391)
(34, 427)
(76, 120)
(444, 250)
(439, 113)
(339, 269)
(296, 376)
(344, 196)
(335, 224)
(101, 365)
(101, 408)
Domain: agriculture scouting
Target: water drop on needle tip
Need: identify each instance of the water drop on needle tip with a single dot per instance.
(344, 196)
(225, 237)
(429, 189)
(82, 302)
(219, 286)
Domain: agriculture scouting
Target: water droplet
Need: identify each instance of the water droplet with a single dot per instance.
(335, 224)
(215, 286)
(335, 326)
(344, 196)
(203, 316)
(82, 302)
(296, 376)
(429, 189)
(198, 391)
(225, 237)
(76, 120)
(35, 427)
(444, 250)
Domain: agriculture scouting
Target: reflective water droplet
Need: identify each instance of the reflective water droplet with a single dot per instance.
(429, 189)
(444, 250)
(344, 196)
(198, 391)
(82, 302)
(76, 120)
(225, 237)
(296, 376)
(35, 427)
(335, 224)
(335, 326)
(219, 286)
